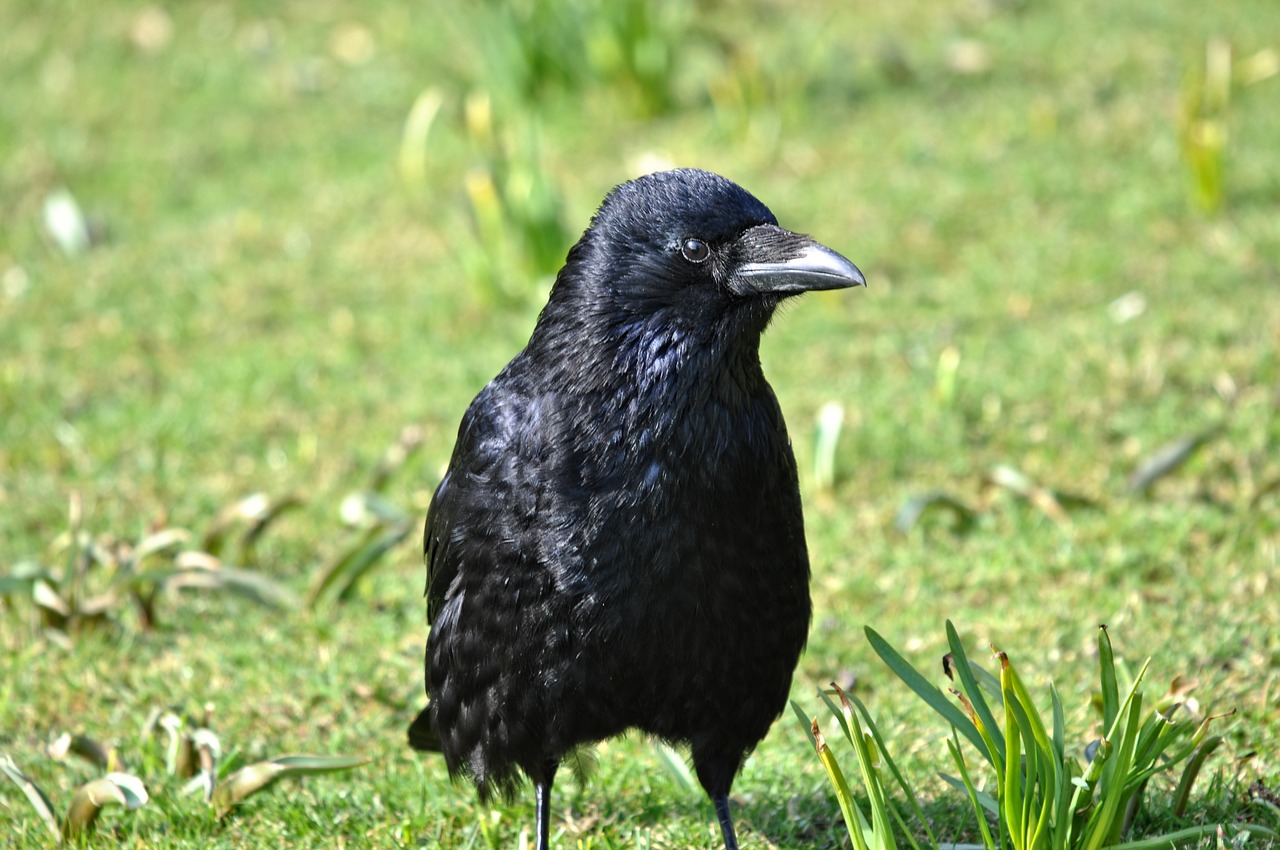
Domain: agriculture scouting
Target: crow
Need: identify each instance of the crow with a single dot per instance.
(618, 541)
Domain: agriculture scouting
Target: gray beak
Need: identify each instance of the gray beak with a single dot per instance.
(784, 263)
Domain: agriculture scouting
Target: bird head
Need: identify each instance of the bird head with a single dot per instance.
(690, 247)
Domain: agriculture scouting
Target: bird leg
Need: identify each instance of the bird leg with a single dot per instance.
(542, 795)
(721, 802)
(716, 769)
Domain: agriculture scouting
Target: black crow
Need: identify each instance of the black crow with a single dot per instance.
(618, 542)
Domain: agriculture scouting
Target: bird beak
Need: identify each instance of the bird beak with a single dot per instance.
(784, 263)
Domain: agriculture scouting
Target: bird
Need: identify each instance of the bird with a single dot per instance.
(618, 541)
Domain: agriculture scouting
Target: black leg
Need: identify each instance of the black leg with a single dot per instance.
(542, 793)
(726, 821)
(716, 769)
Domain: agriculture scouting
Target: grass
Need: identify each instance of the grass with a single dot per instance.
(267, 304)
(1043, 796)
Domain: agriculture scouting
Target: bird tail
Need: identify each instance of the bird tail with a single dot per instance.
(422, 733)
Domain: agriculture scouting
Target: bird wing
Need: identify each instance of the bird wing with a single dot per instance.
(475, 501)
(441, 570)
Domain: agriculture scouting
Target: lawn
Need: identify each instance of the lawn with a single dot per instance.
(260, 271)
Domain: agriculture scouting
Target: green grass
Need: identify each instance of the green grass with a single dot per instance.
(270, 304)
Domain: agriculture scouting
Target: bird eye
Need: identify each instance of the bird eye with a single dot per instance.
(695, 250)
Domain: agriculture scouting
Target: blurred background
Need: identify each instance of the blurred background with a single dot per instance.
(256, 258)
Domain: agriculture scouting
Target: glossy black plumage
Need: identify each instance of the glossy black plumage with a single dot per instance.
(618, 542)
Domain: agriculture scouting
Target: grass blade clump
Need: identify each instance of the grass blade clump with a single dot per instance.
(253, 778)
(517, 207)
(193, 751)
(376, 523)
(253, 515)
(932, 696)
(915, 508)
(87, 801)
(347, 569)
(632, 48)
(876, 831)
(37, 798)
(1045, 799)
(85, 747)
(102, 574)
